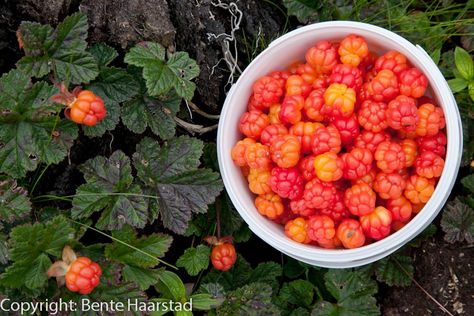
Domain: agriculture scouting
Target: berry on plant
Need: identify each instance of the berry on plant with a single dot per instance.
(328, 166)
(322, 57)
(259, 181)
(83, 107)
(360, 199)
(350, 233)
(413, 83)
(223, 256)
(372, 116)
(252, 123)
(352, 50)
(389, 156)
(285, 151)
(258, 156)
(429, 165)
(287, 183)
(296, 230)
(402, 113)
(269, 205)
(377, 224)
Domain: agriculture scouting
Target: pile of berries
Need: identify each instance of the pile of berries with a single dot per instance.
(343, 148)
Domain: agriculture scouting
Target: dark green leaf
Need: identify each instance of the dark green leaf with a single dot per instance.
(117, 293)
(297, 293)
(14, 201)
(103, 54)
(396, 270)
(110, 190)
(170, 172)
(194, 260)
(304, 10)
(464, 63)
(458, 222)
(3, 249)
(436, 55)
(457, 84)
(468, 182)
(204, 302)
(30, 246)
(294, 268)
(233, 278)
(161, 76)
(115, 85)
(171, 286)
(141, 276)
(62, 51)
(266, 272)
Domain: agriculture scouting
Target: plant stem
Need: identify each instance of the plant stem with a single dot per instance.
(218, 217)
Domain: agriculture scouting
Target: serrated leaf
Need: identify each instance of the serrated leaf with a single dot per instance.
(170, 172)
(194, 260)
(14, 201)
(464, 63)
(353, 291)
(233, 278)
(458, 222)
(457, 84)
(156, 113)
(62, 50)
(30, 130)
(204, 302)
(304, 10)
(117, 293)
(111, 191)
(396, 270)
(267, 272)
(30, 246)
(161, 76)
(107, 124)
(141, 276)
(171, 286)
(298, 292)
(468, 182)
(103, 54)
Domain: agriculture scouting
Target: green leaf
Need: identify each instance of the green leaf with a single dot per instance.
(62, 51)
(3, 249)
(267, 272)
(14, 201)
(233, 278)
(436, 55)
(30, 246)
(141, 276)
(156, 113)
(194, 260)
(30, 130)
(457, 84)
(304, 10)
(111, 191)
(396, 270)
(464, 63)
(468, 182)
(204, 302)
(161, 76)
(171, 286)
(298, 292)
(458, 222)
(353, 291)
(171, 173)
(117, 293)
(103, 54)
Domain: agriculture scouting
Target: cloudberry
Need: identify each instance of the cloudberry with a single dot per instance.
(370, 140)
(223, 256)
(339, 100)
(402, 113)
(83, 275)
(87, 109)
(272, 131)
(313, 105)
(369, 178)
(322, 56)
(296, 230)
(254, 105)
(259, 181)
(321, 82)
(307, 72)
(419, 189)
(285, 151)
(377, 224)
(357, 163)
(299, 207)
(267, 91)
(429, 165)
(239, 149)
(320, 228)
(360, 199)
(392, 60)
(413, 83)
(269, 205)
(306, 166)
(328, 166)
(435, 143)
(326, 139)
(348, 128)
(400, 208)
(352, 50)
(417, 207)
(287, 183)
(431, 120)
(274, 114)
(290, 110)
(305, 132)
(337, 211)
(389, 156)
(410, 149)
(348, 75)
(350, 233)
(389, 185)
(318, 194)
(281, 77)
(384, 87)
(258, 156)
(372, 116)
(252, 124)
(295, 85)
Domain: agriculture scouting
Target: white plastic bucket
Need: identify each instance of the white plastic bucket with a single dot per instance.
(280, 53)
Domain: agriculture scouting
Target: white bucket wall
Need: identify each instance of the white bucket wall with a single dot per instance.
(280, 53)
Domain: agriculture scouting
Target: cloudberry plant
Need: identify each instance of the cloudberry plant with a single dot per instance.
(402, 113)
(295, 85)
(259, 181)
(305, 132)
(296, 230)
(285, 151)
(410, 149)
(431, 120)
(389, 156)
(384, 87)
(400, 208)
(370, 140)
(287, 182)
(350, 233)
(328, 166)
(413, 83)
(239, 149)
(389, 185)
(360, 199)
(322, 57)
(419, 189)
(223, 256)
(252, 124)
(348, 75)
(357, 163)
(326, 139)
(392, 60)
(377, 224)
(352, 50)
(318, 194)
(339, 100)
(348, 128)
(435, 143)
(313, 105)
(290, 110)
(372, 116)
(83, 106)
(320, 228)
(258, 156)
(267, 91)
(269, 205)
(429, 165)
(272, 131)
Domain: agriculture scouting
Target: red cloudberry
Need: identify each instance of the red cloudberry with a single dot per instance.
(339, 100)
(410, 149)
(290, 110)
(287, 182)
(392, 60)
(348, 128)
(299, 207)
(322, 56)
(295, 85)
(369, 178)
(267, 91)
(254, 105)
(239, 149)
(372, 116)
(377, 224)
(389, 185)
(285, 151)
(352, 50)
(272, 131)
(348, 75)
(370, 140)
(307, 72)
(429, 165)
(281, 77)
(402, 113)
(83, 275)
(400, 208)
(318, 194)
(321, 82)
(360, 199)
(306, 167)
(87, 109)
(357, 163)
(274, 114)
(337, 210)
(435, 143)
(326, 139)
(252, 124)
(305, 132)
(413, 83)
(350, 233)
(321, 228)
(384, 87)
(223, 256)
(389, 156)
(313, 105)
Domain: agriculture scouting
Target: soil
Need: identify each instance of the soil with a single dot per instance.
(444, 270)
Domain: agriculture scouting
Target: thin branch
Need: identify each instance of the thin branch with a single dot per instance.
(193, 106)
(194, 128)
